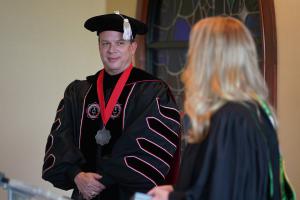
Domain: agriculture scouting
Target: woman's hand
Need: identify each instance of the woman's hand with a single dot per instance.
(161, 192)
(88, 184)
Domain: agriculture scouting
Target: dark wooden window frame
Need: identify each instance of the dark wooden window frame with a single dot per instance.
(268, 23)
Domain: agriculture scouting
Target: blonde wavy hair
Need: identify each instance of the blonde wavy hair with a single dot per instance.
(222, 66)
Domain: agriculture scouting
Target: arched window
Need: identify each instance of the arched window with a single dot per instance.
(170, 22)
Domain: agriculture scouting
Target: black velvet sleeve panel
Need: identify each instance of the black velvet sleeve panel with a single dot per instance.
(144, 154)
(63, 158)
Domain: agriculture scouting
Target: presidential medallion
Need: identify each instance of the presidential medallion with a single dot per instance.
(103, 136)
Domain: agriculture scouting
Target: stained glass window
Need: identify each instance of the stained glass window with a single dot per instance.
(170, 23)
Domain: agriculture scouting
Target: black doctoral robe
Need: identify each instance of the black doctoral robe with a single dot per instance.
(145, 128)
(232, 163)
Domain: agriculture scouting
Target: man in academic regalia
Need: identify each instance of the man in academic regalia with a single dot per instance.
(118, 131)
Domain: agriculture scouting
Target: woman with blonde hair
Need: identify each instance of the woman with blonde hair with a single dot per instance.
(233, 148)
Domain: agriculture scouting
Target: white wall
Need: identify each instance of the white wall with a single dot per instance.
(43, 47)
(288, 38)
(127, 7)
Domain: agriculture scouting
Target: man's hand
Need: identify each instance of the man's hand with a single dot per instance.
(88, 184)
(161, 192)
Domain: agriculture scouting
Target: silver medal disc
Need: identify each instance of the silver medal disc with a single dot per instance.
(103, 136)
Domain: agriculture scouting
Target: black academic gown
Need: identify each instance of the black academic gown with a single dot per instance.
(145, 129)
(232, 162)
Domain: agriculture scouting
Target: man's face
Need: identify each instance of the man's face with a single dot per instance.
(115, 53)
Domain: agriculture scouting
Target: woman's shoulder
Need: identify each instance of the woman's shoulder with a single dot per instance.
(235, 109)
(240, 118)
(235, 118)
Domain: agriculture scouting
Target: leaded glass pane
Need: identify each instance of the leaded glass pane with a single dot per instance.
(168, 64)
(170, 23)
